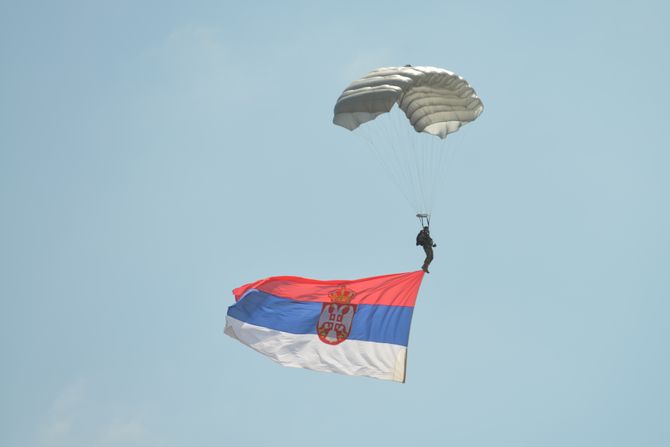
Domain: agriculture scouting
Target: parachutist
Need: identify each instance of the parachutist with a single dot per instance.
(423, 239)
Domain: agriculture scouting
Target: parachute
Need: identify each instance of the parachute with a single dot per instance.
(411, 111)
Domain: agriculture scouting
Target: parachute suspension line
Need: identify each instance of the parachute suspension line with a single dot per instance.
(430, 153)
(393, 150)
(396, 149)
(400, 149)
(430, 166)
(449, 159)
(417, 163)
(413, 160)
(439, 155)
(405, 151)
(373, 137)
(412, 153)
(417, 169)
(434, 149)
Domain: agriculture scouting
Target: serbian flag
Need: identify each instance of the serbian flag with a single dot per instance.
(358, 327)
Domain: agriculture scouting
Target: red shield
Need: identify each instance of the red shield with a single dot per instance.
(334, 324)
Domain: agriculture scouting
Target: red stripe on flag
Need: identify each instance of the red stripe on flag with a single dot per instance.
(399, 289)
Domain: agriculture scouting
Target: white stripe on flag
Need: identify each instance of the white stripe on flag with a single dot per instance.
(353, 357)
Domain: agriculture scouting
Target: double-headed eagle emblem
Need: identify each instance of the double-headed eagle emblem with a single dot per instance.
(336, 317)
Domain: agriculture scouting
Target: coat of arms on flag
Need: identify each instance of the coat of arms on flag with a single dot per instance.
(336, 317)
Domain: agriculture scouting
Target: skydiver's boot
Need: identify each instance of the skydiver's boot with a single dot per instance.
(424, 267)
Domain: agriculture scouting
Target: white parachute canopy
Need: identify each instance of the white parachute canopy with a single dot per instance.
(435, 102)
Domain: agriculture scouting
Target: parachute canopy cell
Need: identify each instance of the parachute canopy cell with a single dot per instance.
(436, 101)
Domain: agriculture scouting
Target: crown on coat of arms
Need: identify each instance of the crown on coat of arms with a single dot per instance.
(342, 295)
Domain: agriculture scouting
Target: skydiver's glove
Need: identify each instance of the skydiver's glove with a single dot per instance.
(434, 245)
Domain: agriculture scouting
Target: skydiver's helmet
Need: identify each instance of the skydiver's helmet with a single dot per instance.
(426, 229)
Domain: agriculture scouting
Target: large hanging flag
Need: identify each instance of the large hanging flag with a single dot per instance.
(357, 327)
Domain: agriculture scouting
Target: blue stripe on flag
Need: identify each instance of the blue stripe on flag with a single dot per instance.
(376, 323)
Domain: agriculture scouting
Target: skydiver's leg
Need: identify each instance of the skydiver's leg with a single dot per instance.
(429, 258)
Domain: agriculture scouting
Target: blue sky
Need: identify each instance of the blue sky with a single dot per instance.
(155, 155)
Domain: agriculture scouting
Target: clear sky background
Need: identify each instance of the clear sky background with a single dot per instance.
(155, 155)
